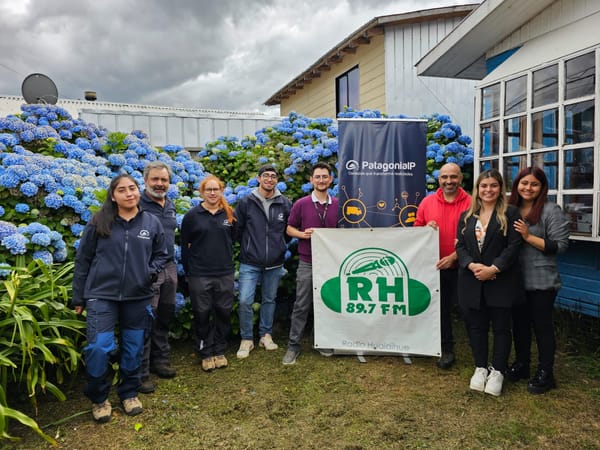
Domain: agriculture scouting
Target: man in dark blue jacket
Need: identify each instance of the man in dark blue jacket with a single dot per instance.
(261, 220)
(157, 178)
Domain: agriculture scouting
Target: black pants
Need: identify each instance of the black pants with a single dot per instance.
(478, 326)
(448, 298)
(212, 301)
(536, 312)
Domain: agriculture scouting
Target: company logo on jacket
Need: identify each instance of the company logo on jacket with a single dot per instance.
(144, 234)
(281, 217)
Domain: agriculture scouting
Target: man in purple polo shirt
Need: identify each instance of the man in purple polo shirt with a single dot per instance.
(317, 210)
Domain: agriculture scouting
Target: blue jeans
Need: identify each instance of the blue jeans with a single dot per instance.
(250, 276)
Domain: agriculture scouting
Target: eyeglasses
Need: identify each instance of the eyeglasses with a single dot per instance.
(269, 176)
(321, 177)
(211, 190)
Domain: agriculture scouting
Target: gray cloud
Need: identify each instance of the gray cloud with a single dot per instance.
(225, 54)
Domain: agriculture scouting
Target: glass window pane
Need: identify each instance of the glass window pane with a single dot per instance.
(347, 90)
(548, 161)
(545, 86)
(516, 96)
(580, 76)
(579, 209)
(544, 129)
(488, 164)
(512, 166)
(490, 139)
(342, 93)
(490, 101)
(579, 122)
(515, 134)
(579, 168)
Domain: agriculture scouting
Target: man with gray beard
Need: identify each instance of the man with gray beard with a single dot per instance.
(157, 178)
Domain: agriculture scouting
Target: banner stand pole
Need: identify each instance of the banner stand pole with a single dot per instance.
(405, 357)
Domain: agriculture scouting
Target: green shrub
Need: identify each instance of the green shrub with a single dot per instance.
(39, 335)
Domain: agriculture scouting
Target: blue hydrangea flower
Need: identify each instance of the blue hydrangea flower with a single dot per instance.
(29, 189)
(44, 255)
(41, 239)
(6, 229)
(15, 243)
(4, 269)
(22, 208)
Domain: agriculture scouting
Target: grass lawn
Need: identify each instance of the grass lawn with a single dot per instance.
(336, 402)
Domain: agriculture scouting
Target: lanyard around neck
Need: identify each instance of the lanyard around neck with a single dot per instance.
(321, 216)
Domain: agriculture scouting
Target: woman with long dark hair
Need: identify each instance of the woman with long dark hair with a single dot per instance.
(545, 231)
(121, 251)
(489, 280)
(207, 258)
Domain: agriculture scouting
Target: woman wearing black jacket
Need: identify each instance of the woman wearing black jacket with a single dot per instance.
(122, 249)
(489, 281)
(207, 258)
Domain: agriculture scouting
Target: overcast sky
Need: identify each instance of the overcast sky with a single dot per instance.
(218, 54)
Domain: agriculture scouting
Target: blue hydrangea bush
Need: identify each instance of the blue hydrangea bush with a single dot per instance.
(53, 169)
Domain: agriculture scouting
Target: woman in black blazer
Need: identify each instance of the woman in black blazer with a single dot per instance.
(489, 280)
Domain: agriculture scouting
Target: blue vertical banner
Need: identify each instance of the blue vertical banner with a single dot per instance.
(381, 171)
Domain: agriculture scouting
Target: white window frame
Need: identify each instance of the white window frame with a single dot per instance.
(560, 192)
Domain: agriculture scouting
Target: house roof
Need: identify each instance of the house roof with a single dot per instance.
(462, 53)
(362, 36)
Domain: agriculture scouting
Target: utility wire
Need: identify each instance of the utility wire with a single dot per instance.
(11, 69)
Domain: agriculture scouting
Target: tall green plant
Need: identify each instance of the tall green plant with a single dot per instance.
(39, 334)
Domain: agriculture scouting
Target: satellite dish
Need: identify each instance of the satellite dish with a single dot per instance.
(38, 88)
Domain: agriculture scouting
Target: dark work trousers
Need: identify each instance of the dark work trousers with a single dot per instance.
(448, 298)
(212, 301)
(478, 326)
(103, 316)
(156, 344)
(537, 312)
(302, 305)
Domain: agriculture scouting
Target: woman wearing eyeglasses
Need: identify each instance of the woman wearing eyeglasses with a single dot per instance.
(489, 281)
(207, 258)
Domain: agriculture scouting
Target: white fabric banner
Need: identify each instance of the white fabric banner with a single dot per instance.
(376, 291)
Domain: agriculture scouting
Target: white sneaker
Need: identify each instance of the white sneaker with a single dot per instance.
(267, 342)
(246, 346)
(493, 385)
(478, 379)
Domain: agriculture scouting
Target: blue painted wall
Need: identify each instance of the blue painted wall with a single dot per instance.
(580, 272)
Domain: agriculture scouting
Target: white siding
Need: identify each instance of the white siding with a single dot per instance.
(190, 132)
(406, 93)
(558, 15)
(191, 128)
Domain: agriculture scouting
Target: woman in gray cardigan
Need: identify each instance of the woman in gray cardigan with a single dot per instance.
(545, 231)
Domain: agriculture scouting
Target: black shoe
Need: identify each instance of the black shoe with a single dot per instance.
(447, 360)
(163, 370)
(542, 381)
(147, 386)
(518, 371)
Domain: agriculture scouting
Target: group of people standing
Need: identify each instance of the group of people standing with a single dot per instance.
(126, 277)
(498, 261)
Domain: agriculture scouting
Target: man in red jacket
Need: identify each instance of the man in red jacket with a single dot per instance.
(441, 211)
